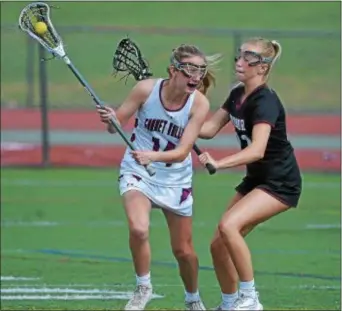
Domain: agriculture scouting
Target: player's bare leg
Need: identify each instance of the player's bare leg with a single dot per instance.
(182, 246)
(252, 209)
(138, 208)
(225, 270)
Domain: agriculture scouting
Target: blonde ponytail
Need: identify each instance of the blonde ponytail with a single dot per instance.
(209, 79)
(277, 52)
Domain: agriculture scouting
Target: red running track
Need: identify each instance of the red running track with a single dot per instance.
(96, 156)
(90, 155)
(26, 119)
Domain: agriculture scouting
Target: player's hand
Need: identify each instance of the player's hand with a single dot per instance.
(142, 157)
(106, 113)
(205, 158)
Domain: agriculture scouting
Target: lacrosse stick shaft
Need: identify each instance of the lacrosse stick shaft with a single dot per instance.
(97, 100)
(211, 169)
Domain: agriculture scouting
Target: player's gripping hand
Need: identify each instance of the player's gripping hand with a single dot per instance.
(205, 158)
(143, 157)
(106, 113)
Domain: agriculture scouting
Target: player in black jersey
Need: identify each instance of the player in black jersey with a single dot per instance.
(273, 181)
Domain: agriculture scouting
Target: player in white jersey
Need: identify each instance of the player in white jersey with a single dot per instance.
(169, 114)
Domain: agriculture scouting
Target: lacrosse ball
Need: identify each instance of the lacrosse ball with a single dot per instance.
(40, 28)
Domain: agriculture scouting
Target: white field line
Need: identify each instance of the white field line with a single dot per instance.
(113, 183)
(44, 293)
(14, 278)
(322, 226)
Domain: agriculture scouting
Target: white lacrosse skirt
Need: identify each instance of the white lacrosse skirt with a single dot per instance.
(178, 200)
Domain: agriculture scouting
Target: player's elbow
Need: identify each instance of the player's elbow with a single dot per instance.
(208, 131)
(181, 155)
(206, 135)
(258, 153)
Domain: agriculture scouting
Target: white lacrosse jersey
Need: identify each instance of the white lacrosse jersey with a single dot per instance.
(159, 129)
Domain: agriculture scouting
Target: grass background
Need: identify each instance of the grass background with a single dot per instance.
(307, 76)
(296, 255)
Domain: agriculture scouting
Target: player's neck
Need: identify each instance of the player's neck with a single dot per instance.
(172, 95)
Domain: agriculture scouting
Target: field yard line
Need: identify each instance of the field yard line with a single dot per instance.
(169, 264)
(266, 252)
(91, 183)
(13, 278)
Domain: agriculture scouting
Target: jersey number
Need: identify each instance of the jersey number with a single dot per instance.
(244, 140)
(156, 147)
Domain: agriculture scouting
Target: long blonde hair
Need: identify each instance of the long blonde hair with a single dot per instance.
(185, 50)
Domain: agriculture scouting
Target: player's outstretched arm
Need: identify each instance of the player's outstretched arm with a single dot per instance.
(216, 122)
(130, 105)
(253, 152)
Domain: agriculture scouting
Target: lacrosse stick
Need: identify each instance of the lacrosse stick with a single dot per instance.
(47, 36)
(129, 60)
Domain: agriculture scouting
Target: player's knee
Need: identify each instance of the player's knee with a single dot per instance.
(228, 227)
(139, 232)
(184, 252)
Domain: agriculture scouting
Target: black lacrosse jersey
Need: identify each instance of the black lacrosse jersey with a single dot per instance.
(263, 106)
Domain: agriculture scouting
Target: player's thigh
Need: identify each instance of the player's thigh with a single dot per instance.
(136, 202)
(255, 207)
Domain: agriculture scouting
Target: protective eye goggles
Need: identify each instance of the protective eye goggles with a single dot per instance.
(253, 58)
(190, 70)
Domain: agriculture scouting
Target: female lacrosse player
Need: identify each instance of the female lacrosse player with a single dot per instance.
(273, 180)
(169, 115)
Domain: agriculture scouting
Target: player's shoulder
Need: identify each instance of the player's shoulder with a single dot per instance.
(267, 95)
(234, 94)
(200, 100)
(266, 92)
(146, 85)
(266, 99)
(236, 89)
(143, 89)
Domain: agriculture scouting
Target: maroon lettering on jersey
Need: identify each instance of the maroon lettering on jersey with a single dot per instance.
(175, 131)
(155, 125)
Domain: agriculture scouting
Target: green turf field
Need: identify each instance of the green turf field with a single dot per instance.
(307, 77)
(67, 228)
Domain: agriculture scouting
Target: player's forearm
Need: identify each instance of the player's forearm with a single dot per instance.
(243, 157)
(172, 156)
(110, 127)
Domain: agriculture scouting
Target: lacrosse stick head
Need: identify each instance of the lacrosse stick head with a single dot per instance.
(129, 59)
(39, 12)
